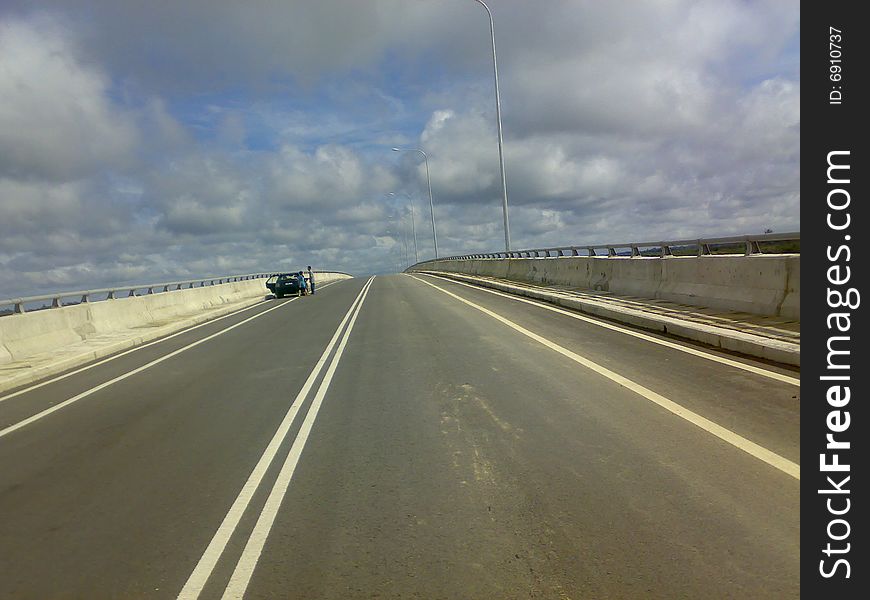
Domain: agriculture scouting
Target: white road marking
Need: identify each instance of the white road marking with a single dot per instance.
(136, 349)
(736, 440)
(689, 350)
(106, 384)
(204, 568)
(241, 576)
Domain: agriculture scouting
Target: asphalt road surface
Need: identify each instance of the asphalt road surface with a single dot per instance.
(404, 437)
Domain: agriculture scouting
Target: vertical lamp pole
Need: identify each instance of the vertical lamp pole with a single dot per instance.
(405, 242)
(507, 229)
(431, 205)
(414, 231)
(413, 225)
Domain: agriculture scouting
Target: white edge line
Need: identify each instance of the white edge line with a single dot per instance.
(689, 350)
(206, 564)
(244, 570)
(775, 460)
(148, 365)
(137, 348)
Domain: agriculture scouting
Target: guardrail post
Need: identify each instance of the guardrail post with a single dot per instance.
(150, 291)
(635, 252)
(666, 250)
(752, 247)
(591, 251)
(85, 299)
(110, 295)
(18, 308)
(611, 252)
(132, 293)
(56, 303)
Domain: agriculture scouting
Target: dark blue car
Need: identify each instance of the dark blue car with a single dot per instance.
(287, 284)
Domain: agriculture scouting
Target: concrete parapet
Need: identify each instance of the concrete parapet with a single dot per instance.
(760, 284)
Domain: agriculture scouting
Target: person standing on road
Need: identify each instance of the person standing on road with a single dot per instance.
(310, 280)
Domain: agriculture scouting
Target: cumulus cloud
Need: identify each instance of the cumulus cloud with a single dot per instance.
(211, 136)
(56, 121)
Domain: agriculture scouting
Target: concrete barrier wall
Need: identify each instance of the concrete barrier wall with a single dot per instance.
(35, 332)
(763, 285)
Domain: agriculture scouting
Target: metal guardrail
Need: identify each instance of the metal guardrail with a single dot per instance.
(703, 245)
(130, 290)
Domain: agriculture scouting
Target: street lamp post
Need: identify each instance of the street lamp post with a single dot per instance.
(405, 242)
(431, 205)
(414, 231)
(413, 225)
(404, 230)
(507, 229)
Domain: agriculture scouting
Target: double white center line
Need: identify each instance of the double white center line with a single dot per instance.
(244, 569)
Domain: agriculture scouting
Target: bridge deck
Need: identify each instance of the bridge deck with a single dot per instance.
(417, 438)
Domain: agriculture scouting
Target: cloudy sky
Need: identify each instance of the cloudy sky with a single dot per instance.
(153, 140)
